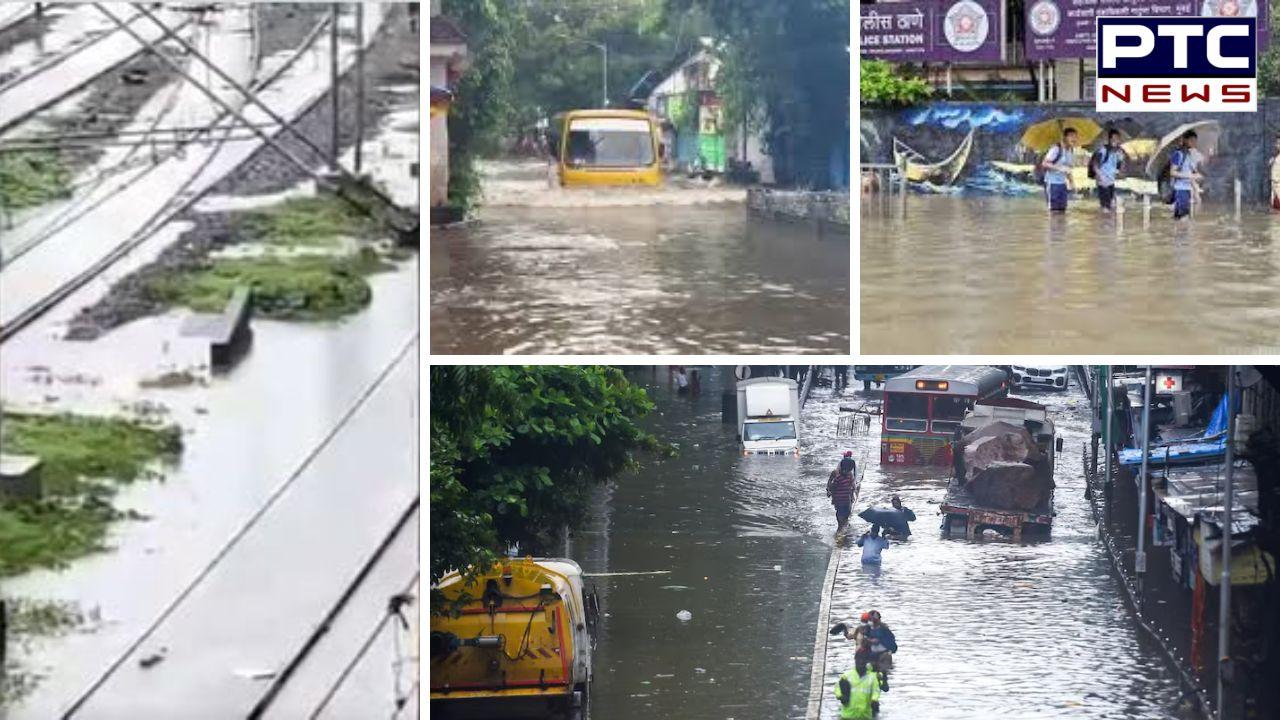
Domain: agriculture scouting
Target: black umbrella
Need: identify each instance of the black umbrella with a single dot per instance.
(887, 518)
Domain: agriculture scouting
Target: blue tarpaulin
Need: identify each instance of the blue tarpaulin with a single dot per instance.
(1209, 446)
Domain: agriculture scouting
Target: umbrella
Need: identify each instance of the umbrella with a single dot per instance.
(1045, 134)
(1207, 131)
(887, 518)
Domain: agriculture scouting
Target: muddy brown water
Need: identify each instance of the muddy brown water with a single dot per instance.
(673, 270)
(997, 275)
(1031, 630)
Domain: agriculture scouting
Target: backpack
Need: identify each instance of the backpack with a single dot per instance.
(1038, 171)
(1164, 178)
(1099, 156)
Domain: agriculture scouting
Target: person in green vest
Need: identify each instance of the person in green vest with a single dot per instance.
(858, 692)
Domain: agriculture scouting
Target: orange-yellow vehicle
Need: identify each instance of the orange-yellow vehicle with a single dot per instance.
(520, 647)
(607, 147)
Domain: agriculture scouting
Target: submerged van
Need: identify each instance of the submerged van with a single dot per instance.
(606, 147)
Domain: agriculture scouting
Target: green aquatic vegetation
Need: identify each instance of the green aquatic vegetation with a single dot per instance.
(82, 460)
(284, 288)
(319, 220)
(28, 179)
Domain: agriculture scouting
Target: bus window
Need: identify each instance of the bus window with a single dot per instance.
(609, 143)
(906, 411)
(948, 411)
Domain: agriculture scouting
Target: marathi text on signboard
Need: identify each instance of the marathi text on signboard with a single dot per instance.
(934, 31)
(1059, 29)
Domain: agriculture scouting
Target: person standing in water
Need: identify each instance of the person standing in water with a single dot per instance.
(1057, 164)
(1106, 164)
(1184, 169)
(872, 545)
(841, 488)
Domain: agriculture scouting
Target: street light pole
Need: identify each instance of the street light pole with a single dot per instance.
(1224, 603)
(604, 71)
(1140, 557)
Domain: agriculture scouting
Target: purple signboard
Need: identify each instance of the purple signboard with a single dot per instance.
(934, 31)
(1066, 28)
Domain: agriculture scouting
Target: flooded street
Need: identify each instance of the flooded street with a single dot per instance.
(669, 270)
(996, 275)
(985, 628)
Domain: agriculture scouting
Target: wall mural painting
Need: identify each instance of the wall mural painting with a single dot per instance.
(989, 149)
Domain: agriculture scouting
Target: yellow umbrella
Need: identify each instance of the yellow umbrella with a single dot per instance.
(1047, 133)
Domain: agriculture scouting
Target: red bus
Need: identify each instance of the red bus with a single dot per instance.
(923, 408)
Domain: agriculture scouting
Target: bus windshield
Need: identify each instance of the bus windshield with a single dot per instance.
(609, 142)
(769, 431)
(906, 411)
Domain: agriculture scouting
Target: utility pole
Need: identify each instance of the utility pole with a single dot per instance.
(1107, 398)
(333, 80)
(359, 87)
(1140, 557)
(1224, 602)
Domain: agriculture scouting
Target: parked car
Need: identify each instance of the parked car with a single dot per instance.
(1053, 377)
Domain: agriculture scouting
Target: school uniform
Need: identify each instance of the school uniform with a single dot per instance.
(1184, 161)
(1055, 181)
(1105, 169)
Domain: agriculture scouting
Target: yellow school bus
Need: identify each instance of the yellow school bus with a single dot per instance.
(606, 147)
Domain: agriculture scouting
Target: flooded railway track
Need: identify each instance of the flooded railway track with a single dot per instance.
(217, 132)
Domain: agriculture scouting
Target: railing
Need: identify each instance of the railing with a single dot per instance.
(879, 181)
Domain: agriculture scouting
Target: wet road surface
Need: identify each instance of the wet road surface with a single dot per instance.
(996, 275)
(989, 628)
(1036, 630)
(745, 539)
(671, 270)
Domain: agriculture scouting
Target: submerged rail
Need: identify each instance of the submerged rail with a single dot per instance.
(167, 213)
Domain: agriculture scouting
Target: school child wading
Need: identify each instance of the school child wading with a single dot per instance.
(1057, 164)
(1105, 166)
(1184, 168)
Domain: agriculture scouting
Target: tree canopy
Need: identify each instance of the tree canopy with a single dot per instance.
(786, 71)
(516, 451)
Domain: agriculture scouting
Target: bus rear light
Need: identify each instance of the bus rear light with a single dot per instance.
(939, 385)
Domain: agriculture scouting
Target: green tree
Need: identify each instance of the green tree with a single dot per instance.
(880, 84)
(1269, 63)
(516, 451)
(483, 110)
(796, 57)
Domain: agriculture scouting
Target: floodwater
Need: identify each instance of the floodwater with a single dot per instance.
(678, 269)
(985, 628)
(244, 434)
(997, 275)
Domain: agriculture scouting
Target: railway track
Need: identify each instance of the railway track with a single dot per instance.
(216, 132)
(43, 99)
(205, 134)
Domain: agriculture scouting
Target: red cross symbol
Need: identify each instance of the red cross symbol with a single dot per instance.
(1169, 382)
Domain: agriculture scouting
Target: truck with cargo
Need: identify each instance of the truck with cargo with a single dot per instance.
(1003, 470)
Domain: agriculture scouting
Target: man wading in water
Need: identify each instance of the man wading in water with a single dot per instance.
(841, 489)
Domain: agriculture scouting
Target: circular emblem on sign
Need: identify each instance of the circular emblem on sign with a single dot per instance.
(1045, 17)
(1229, 8)
(966, 26)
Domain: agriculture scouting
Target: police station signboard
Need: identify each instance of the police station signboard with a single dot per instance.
(1176, 64)
(1065, 29)
(934, 31)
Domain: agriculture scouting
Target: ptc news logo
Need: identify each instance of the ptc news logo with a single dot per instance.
(1184, 64)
